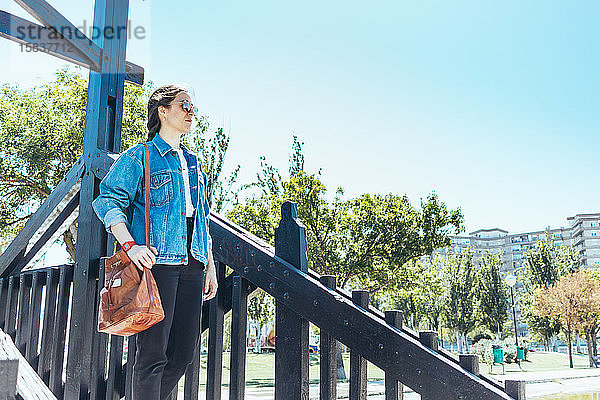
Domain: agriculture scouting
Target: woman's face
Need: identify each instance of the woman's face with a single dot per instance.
(174, 117)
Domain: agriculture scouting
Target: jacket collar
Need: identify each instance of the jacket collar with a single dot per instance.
(164, 147)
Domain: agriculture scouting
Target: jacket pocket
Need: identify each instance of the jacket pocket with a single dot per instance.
(161, 188)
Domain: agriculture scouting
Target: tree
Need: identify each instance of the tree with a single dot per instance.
(261, 309)
(492, 299)
(460, 305)
(544, 265)
(575, 300)
(41, 137)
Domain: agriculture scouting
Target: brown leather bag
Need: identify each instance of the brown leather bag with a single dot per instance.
(129, 300)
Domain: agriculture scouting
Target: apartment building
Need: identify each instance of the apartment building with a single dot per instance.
(583, 233)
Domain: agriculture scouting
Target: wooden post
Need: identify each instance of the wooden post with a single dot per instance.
(429, 339)
(8, 379)
(214, 369)
(39, 278)
(239, 310)
(358, 365)
(470, 362)
(394, 390)
(515, 389)
(328, 354)
(291, 330)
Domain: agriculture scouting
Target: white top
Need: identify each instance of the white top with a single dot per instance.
(189, 207)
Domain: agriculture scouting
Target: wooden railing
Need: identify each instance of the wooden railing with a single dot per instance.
(35, 306)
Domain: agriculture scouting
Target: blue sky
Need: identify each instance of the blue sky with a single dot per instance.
(493, 105)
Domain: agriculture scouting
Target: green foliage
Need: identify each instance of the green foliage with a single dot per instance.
(491, 293)
(212, 149)
(544, 265)
(41, 137)
(460, 280)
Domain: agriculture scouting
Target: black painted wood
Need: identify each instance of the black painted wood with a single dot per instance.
(33, 329)
(291, 330)
(50, 17)
(515, 389)
(128, 367)
(237, 380)
(13, 255)
(429, 339)
(131, 348)
(11, 306)
(404, 355)
(44, 38)
(97, 388)
(214, 369)
(191, 382)
(394, 389)
(22, 334)
(3, 300)
(470, 362)
(358, 364)
(116, 375)
(45, 360)
(328, 355)
(58, 221)
(60, 331)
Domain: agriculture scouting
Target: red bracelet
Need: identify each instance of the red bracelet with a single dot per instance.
(128, 245)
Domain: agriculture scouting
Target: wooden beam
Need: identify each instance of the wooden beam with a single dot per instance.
(395, 351)
(29, 384)
(51, 18)
(13, 255)
(47, 41)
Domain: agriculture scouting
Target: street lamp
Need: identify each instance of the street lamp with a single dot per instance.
(510, 281)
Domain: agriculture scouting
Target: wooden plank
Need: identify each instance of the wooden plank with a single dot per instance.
(394, 389)
(11, 306)
(29, 384)
(131, 348)
(52, 232)
(291, 340)
(116, 374)
(192, 372)
(9, 371)
(45, 361)
(14, 28)
(328, 355)
(214, 369)
(237, 370)
(358, 364)
(403, 356)
(51, 18)
(35, 308)
(97, 386)
(3, 300)
(60, 331)
(12, 256)
(192, 377)
(23, 313)
(515, 389)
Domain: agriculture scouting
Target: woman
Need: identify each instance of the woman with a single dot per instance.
(180, 244)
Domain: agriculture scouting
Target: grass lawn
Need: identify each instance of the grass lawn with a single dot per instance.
(540, 361)
(260, 369)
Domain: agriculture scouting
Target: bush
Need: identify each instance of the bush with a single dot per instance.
(510, 350)
(480, 336)
(483, 348)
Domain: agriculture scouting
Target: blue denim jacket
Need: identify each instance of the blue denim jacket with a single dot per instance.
(121, 199)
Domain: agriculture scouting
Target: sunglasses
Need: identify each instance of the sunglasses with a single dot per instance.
(187, 106)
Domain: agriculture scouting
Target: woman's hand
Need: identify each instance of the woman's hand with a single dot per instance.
(210, 280)
(142, 256)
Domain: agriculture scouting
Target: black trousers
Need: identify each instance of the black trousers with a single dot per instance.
(164, 350)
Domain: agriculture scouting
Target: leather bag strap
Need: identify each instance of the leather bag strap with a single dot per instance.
(147, 193)
(147, 209)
